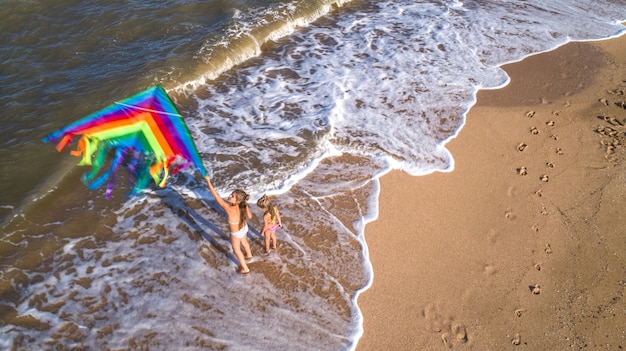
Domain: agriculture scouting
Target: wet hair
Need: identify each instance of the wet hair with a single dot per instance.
(243, 198)
(267, 204)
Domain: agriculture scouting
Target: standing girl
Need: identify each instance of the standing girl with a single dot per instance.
(271, 221)
(237, 211)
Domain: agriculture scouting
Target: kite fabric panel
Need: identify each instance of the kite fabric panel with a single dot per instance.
(144, 132)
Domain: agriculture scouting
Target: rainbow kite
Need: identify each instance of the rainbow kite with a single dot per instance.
(146, 134)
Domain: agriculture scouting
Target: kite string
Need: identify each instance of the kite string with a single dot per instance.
(147, 109)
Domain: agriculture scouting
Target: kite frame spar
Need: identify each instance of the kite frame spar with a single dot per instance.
(145, 130)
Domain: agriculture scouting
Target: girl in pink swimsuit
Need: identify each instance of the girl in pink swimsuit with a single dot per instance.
(237, 211)
(271, 221)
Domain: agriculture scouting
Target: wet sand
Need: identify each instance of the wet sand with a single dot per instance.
(523, 245)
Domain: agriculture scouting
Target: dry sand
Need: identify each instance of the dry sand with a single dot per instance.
(523, 245)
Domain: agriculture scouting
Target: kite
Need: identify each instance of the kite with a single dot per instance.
(144, 132)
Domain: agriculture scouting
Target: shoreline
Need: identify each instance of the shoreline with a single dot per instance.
(520, 245)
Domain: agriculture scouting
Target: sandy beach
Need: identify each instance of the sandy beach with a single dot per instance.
(523, 244)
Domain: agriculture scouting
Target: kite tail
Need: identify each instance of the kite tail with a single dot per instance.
(110, 173)
(96, 165)
(139, 173)
(63, 143)
(86, 147)
(110, 185)
(159, 168)
(143, 178)
(120, 156)
(132, 168)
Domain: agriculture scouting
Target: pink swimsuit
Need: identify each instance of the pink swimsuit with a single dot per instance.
(273, 228)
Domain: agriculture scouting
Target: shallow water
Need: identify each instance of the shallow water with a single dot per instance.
(305, 101)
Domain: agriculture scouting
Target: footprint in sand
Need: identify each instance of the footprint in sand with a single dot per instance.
(550, 123)
(559, 151)
(445, 337)
(616, 91)
(548, 249)
(519, 311)
(460, 332)
(612, 120)
(493, 236)
(537, 266)
(544, 178)
(522, 171)
(521, 146)
(536, 289)
(550, 164)
(451, 333)
(534, 130)
(511, 191)
(509, 214)
(489, 269)
(607, 131)
(530, 114)
(517, 339)
(433, 316)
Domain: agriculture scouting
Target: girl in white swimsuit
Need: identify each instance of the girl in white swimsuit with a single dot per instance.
(237, 211)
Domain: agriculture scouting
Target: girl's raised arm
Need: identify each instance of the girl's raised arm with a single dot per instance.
(217, 198)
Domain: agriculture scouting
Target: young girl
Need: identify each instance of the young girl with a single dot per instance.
(237, 211)
(271, 221)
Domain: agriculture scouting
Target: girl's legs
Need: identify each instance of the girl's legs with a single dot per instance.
(267, 242)
(246, 246)
(273, 235)
(236, 244)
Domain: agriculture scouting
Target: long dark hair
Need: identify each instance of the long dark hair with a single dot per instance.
(243, 198)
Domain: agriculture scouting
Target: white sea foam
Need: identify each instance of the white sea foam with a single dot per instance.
(393, 81)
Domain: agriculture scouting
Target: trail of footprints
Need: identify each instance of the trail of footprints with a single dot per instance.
(612, 133)
(521, 147)
(544, 177)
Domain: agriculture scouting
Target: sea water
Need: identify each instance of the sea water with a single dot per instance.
(307, 101)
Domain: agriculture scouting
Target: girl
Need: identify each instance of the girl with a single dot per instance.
(237, 211)
(271, 221)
